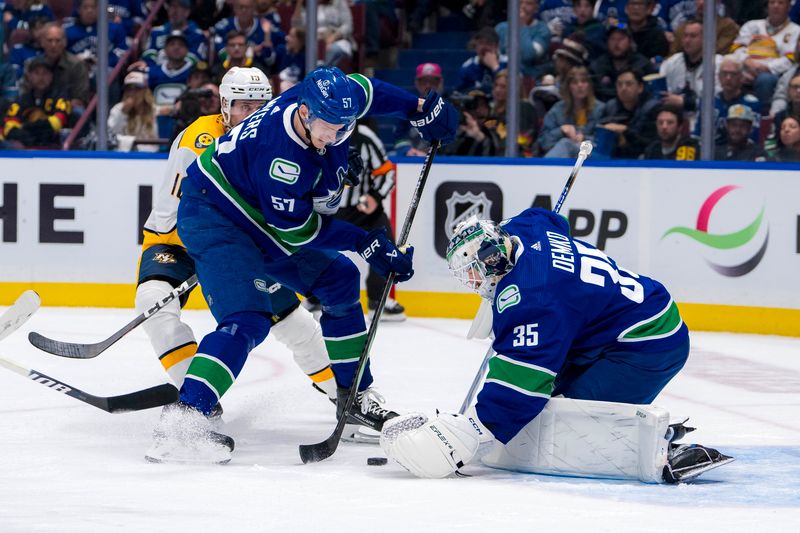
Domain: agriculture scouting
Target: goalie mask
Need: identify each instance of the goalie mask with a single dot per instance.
(242, 83)
(479, 255)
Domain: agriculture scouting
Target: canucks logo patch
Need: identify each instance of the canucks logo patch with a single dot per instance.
(165, 258)
(284, 170)
(204, 140)
(508, 298)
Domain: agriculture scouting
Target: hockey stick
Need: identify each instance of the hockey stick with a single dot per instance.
(88, 351)
(20, 312)
(312, 453)
(583, 153)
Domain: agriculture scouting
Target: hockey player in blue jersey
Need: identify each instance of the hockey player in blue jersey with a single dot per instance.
(567, 321)
(258, 202)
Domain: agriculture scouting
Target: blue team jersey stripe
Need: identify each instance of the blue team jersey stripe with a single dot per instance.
(526, 378)
(365, 84)
(209, 167)
(663, 324)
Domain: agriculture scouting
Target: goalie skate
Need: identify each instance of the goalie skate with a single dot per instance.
(687, 461)
(185, 436)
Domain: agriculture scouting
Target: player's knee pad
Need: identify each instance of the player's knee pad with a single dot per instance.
(165, 328)
(250, 326)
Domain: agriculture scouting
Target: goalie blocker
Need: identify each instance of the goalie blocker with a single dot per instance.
(568, 438)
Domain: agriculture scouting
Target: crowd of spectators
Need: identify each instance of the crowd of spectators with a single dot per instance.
(626, 74)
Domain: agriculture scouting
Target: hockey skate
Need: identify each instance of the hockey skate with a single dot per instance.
(392, 312)
(366, 420)
(687, 461)
(184, 435)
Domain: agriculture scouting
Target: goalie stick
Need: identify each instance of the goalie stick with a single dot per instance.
(583, 153)
(15, 316)
(87, 351)
(312, 453)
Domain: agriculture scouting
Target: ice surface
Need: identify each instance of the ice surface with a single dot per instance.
(67, 466)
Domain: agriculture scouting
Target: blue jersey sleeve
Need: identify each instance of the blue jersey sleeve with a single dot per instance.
(380, 98)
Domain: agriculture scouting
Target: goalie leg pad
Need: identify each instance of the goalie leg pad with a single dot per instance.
(430, 448)
(172, 339)
(589, 439)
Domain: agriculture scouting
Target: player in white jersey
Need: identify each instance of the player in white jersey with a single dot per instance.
(165, 264)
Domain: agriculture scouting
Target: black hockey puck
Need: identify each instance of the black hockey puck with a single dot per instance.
(377, 461)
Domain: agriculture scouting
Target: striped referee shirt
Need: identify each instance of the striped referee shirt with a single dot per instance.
(377, 178)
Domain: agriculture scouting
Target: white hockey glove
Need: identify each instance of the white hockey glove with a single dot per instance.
(437, 447)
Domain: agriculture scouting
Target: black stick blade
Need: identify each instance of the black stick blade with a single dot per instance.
(67, 349)
(157, 396)
(314, 453)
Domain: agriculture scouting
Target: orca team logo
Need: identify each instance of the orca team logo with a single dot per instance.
(730, 251)
(456, 201)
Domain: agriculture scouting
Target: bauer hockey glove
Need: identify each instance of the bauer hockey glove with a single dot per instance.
(355, 168)
(438, 119)
(385, 257)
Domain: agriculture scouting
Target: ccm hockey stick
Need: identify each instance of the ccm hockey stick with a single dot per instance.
(583, 154)
(88, 351)
(20, 312)
(312, 453)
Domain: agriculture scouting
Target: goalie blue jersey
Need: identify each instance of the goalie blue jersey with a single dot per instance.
(275, 186)
(564, 300)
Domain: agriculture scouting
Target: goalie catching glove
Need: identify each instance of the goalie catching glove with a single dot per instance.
(437, 447)
(438, 119)
(385, 257)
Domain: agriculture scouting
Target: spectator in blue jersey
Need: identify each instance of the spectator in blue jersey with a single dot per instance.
(21, 52)
(672, 144)
(592, 30)
(237, 54)
(128, 13)
(82, 37)
(260, 33)
(572, 120)
(611, 12)
(478, 71)
(567, 321)
(648, 35)
(177, 20)
(631, 116)
(738, 145)
(20, 14)
(290, 59)
(260, 202)
(168, 80)
(731, 80)
(534, 40)
(70, 74)
(621, 56)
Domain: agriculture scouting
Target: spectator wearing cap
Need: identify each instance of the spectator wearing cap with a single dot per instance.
(37, 117)
(478, 71)
(572, 120)
(731, 93)
(672, 144)
(498, 116)
(631, 116)
(620, 56)
(135, 115)
(428, 77)
(177, 20)
(592, 30)
(70, 75)
(647, 34)
(788, 146)
(534, 40)
(738, 145)
(82, 37)
(290, 59)
(766, 49)
(570, 53)
(684, 71)
(168, 80)
(237, 54)
(727, 30)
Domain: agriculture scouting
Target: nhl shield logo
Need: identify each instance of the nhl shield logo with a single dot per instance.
(457, 201)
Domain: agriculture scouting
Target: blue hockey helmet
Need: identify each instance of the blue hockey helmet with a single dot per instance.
(329, 96)
(479, 255)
